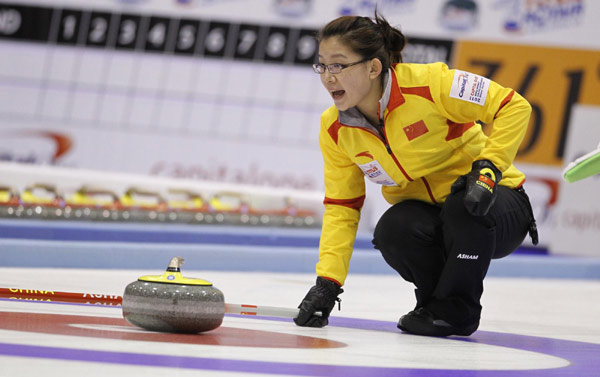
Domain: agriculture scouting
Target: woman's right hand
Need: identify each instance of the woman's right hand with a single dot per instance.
(320, 298)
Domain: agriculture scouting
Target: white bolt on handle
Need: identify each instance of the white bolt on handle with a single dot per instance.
(265, 311)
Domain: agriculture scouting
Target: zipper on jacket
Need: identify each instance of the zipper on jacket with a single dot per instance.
(381, 132)
(383, 138)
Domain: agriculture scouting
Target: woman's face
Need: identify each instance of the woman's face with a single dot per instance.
(353, 86)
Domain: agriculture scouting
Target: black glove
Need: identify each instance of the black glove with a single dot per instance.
(321, 297)
(480, 185)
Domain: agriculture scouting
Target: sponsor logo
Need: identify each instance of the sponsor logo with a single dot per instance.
(365, 154)
(30, 291)
(460, 15)
(185, 2)
(467, 256)
(474, 86)
(462, 83)
(470, 87)
(485, 185)
(487, 179)
(253, 174)
(32, 147)
(427, 51)
(367, 7)
(375, 173)
(10, 21)
(525, 17)
(581, 220)
(292, 8)
(372, 171)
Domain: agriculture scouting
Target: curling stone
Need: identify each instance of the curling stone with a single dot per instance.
(173, 303)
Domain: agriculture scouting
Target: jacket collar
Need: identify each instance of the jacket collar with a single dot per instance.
(395, 97)
(392, 97)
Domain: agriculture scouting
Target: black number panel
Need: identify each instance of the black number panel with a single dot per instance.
(128, 32)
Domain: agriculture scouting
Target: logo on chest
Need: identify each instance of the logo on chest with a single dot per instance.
(375, 173)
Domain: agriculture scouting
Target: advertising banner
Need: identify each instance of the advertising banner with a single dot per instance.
(223, 90)
(577, 214)
(552, 79)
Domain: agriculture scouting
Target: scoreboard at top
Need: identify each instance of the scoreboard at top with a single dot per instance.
(158, 34)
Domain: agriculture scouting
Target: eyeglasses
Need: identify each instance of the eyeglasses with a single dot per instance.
(334, 68)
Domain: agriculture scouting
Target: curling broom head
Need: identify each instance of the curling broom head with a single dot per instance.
(583, 167)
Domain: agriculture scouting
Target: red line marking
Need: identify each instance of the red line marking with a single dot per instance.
(47, 295)
(222, 336)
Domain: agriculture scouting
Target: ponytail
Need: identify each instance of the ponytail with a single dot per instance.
(393, 39)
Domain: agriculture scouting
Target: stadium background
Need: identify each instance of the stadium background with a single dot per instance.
(219, 95)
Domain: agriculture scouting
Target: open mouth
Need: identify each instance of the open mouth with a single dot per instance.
(337, 94)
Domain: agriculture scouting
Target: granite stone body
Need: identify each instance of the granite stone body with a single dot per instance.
(168, 307)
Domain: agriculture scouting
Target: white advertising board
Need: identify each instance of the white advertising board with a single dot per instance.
(222, 91)
(577, 212)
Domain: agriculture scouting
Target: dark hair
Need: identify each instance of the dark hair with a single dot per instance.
(370, 38)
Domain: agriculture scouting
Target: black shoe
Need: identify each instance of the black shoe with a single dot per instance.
(411, 313)
(422, 322)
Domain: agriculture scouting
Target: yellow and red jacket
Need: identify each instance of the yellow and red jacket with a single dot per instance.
(429, 135)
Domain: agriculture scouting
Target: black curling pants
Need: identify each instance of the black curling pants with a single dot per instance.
(446, 251)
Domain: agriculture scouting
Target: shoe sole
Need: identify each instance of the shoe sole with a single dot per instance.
(421, 328)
